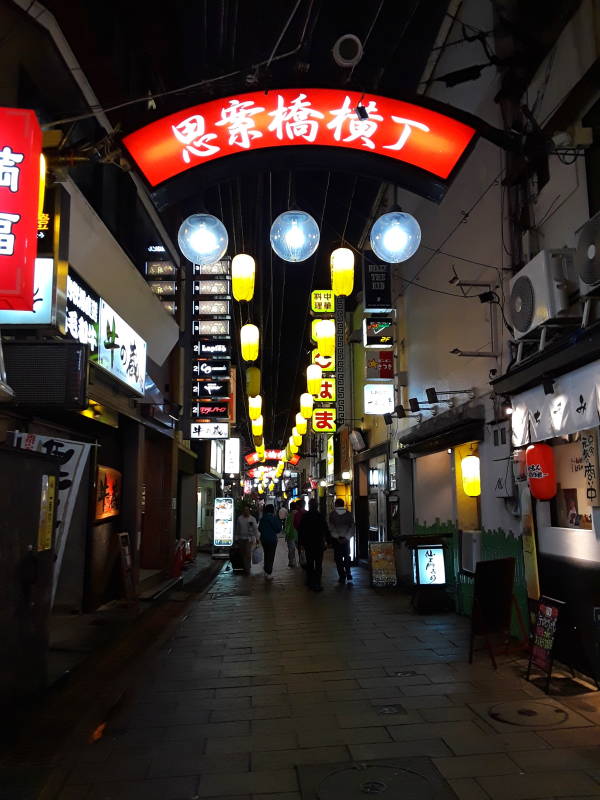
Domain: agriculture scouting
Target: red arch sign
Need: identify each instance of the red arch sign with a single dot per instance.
(404, 132)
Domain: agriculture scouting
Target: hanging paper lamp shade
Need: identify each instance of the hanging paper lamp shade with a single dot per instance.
(471, 479)
(325, 333)
(254, 407)
(313, 329)
(293, 448)
(342, 271)
(271, 486)
(306, 405)
(252, 381)
(288, 452)
(257, 426)
(314, 375)
(301, 423)
(294, 236)
(261, 490)
(258, 443)
(203, 239)
(395, 237)
(249, 338)
(242, 277)
(541, 471)
(296, 437)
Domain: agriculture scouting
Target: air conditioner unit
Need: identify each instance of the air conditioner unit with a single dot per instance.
(587, 257)
(539, 293)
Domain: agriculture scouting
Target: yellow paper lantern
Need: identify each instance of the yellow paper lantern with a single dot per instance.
(271, 486)
(313, 329)
(252, 381)
(342, 271)
(260, 490)
(314, 374)
(301, 423)
(254, 407)
(257, 426)
(325, 333)
(249, 337)
(258, 442)
(471, 478)
(306, 404)
(242, 277)
(288, 452)
(292, 445)
(296, 436)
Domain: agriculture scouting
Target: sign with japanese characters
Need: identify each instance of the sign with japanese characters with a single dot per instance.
(340, 358)
(20, 150)
(379, 365)
(378, 333)
(210, 327)
(270, 455)
(324, 420)
(211, 409)
(210, 288)
(83, 305)
(221, 268)
(430, 565)
(378, 398)
(326, 393)
(43, 296)
(232, 456)
(224, 522)
(209, 430)
(219, 389)
(401, 131)
(121, 351)
(322, 301)
(327, 363)
(377, 285)
(108, 493)
(206, 347)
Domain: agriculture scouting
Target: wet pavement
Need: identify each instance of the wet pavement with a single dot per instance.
(266, 691)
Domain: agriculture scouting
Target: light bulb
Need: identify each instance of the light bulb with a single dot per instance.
(395, 237)
(203, 239)
(294, 236)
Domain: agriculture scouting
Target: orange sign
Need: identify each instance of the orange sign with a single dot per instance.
(108, 493)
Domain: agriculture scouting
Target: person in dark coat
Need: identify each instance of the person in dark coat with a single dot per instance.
(269, 526)
(341, 528)
(313, 535)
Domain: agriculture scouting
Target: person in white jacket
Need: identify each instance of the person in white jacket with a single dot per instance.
(246, 536)
(341, 528)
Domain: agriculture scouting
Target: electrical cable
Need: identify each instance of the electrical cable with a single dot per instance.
(283, 32)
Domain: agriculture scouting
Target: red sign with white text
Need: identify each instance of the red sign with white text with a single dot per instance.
(20, 149)
(325, 117)
(270, 455)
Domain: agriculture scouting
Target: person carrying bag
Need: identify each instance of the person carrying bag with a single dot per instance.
(246, 537)
(341, 530)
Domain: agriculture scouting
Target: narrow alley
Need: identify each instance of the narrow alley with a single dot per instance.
(267, 691)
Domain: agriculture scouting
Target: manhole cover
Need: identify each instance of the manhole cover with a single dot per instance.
(529, 714)
(379, 780)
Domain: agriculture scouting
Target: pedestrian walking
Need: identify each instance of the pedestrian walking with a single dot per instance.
(291, 536)
(246, 537)
(269, 527)
(312, 538)
(341, 530)
(283, 513)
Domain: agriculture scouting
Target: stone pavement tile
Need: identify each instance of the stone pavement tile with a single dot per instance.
(420, 701)
(271, 727)
(588, 705)
(373, 718)
(467, 789)
(266, 782)
(475, 766)
(549, 784)
(75, 792)
(306, 709)
(323, 737)
(278, 796)
(396, 680)
(436, 688)
(579, 737)
(565, 758)
(157, 789)
(237, 714)
(178, 764)
(281, 759)
(447, 714)
(252, 691)
(463, 745)
(164, 719)
(135, 736)
(252, 744)
(115, 768)
(214, 731)
(266, 699)
(433, 730)
(425, 747)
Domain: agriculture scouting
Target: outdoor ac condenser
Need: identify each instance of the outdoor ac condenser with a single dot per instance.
(539, 293)
(587, 257)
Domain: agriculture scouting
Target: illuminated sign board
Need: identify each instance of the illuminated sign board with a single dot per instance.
(428, 565)
(210, 327)
(209, 430)
(232, 457)
(83, 312)
(380, 366)
(43, 296)
(378, 398)
(206, 347)
(326, 391)
(224, 522)
(378, 333)
(209, 409)
(121, 351)
(323, 420)
(270, 455)
(212, 388)
(377, 285)
(322, 301)
(403, 132)
(211, 369)
(327, 363)
(20, 150)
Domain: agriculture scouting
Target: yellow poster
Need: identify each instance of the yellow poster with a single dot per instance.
(528, 536)
(47, 501)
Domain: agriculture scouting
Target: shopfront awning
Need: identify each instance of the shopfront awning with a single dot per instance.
(572, 406)
(457, 426)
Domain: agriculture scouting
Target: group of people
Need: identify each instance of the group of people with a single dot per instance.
(307, 535)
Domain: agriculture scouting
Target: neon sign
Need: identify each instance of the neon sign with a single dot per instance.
(398, 130)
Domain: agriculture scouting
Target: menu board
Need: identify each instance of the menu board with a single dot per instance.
(223, 522)
(383, 564)
(544, 635)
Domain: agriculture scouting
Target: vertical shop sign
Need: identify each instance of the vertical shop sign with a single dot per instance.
(121, 351)
(340, 346)
(377, 285)
(20, 151)
(72, 458)
(224, 522)
(589, 461)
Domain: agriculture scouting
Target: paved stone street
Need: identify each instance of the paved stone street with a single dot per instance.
(268, 691)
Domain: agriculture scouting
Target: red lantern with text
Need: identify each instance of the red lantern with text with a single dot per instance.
(541, 471)
(20, 150)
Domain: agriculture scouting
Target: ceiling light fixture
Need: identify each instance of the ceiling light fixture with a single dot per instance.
(294, 236)
(203, 239)
(395, 237)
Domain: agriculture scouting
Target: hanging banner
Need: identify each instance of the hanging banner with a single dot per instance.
(72, 458)
(340, 355)
(20, 151)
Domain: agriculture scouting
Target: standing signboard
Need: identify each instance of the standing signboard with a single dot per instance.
(382, 562)
(20, 152)
(544, 635)
(224, 522)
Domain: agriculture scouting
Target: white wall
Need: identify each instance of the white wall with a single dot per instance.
(434, 489)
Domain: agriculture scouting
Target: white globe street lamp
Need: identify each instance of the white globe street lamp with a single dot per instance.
(203, 239)
(395, 237)
(294, 236)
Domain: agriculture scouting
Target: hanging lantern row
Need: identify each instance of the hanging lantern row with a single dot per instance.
(342, 271)
(314, 375)
(301, 424)
(243, 270)
(254, 407)
(325, 337)
(249, 339)
(253, 381)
